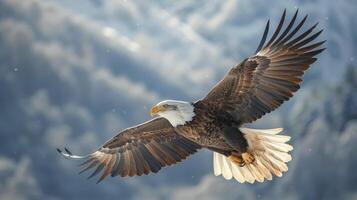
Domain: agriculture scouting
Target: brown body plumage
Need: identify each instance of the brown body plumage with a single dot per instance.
(254, 87)
(209, 129)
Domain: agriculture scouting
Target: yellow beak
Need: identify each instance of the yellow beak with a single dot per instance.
(155, 110)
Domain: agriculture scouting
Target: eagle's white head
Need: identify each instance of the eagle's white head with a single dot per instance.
(176, 112)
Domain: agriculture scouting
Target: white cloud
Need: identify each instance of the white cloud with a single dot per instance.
(19, 183)
(84, 68)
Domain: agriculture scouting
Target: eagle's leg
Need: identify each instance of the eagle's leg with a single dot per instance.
(248, 157)
(234, 157)
(238, 142)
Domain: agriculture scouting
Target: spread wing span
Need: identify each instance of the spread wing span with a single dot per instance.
(262, 82)
(138, 150)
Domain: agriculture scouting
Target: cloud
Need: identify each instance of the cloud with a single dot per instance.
(323, 157)
(19, 182)
(74, 73)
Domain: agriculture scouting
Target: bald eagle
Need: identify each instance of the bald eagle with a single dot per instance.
(252, 88)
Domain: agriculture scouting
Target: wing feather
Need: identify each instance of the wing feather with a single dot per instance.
(261, 83)
(138, 150)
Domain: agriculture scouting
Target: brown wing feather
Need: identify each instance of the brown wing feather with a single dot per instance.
(139, 150)
(264, 81)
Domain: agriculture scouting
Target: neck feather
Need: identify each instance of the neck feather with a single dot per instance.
(183, 114)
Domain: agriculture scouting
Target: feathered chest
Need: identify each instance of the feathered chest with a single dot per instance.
(205, 127)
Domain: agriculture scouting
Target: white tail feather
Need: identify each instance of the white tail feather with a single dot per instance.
(216, 166)
(271, 155)
(226, 169)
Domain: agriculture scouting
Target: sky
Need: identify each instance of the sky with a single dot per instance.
(75, 73)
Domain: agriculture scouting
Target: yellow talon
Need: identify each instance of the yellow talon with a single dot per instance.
(248, 158)
(237, 159)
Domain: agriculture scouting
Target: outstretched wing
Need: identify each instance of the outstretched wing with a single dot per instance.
(138, 150)
(265, 80)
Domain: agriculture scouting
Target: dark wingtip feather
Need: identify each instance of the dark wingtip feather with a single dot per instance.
(319, 32)
(306, 41)
(277, 31)
(265, 34)
(314, 53)
(284, 13)
(292, 33)
(102, 178)
(296, 13)
(312, 46)
(84, 170)
(91, 165)
(86, 161)
(69, 153)
(301, 37)
(287, 29)
(97, 170)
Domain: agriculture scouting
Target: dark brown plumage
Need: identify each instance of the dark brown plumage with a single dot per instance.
(256, 86)
(140, 150)
(261, 83)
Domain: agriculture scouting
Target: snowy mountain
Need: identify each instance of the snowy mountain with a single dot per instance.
(76, 72)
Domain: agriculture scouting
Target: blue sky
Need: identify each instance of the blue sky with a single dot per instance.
(74, 73)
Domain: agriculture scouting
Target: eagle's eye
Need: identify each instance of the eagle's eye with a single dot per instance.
(170, 107)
